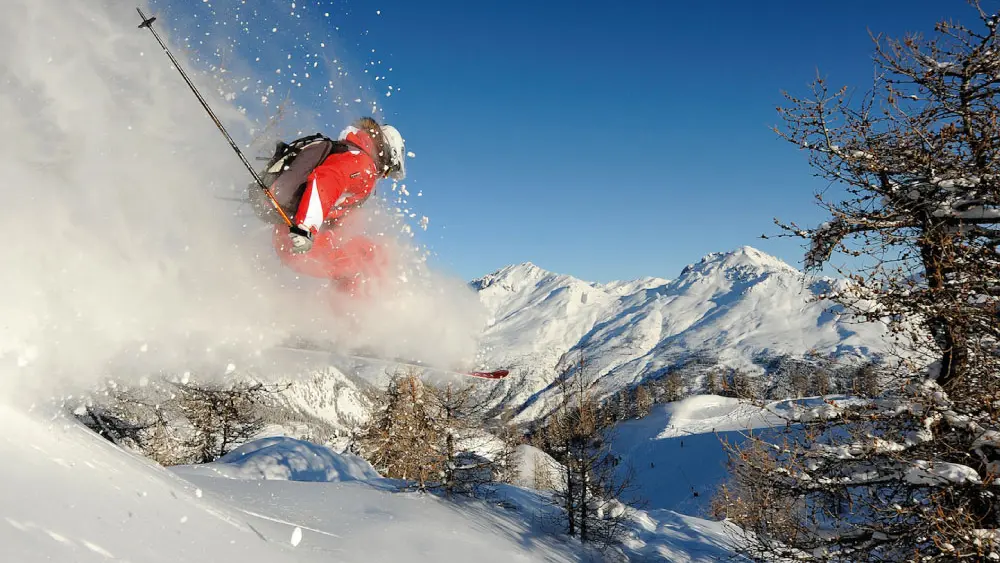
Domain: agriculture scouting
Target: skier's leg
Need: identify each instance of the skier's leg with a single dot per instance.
(353, 264)
(361, 264)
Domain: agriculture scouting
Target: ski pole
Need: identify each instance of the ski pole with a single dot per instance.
(148, 24)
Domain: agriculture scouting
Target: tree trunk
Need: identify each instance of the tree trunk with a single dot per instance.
(570, 500)
(947, 335)
(584, 516)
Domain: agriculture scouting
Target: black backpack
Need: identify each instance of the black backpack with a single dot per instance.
(287, 171)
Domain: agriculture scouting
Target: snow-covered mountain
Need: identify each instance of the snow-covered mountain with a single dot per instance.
(738, 309)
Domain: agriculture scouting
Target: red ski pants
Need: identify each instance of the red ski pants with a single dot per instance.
(348, 261)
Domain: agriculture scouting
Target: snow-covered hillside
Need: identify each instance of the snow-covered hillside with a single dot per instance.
(681, 444)
(72, 496)
(738, 309)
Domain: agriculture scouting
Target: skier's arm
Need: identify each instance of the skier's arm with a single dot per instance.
(359, 190)
(324, 186)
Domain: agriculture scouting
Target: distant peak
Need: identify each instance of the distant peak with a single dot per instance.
(513, 274)
(744, 257)
(524, 268)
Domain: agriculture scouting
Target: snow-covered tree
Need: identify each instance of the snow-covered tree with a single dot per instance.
(908, 475)
(178, 422)
(916, 163)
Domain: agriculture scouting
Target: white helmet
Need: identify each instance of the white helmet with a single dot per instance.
(397, 168)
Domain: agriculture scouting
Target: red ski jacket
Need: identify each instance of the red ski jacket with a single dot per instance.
(343, 181)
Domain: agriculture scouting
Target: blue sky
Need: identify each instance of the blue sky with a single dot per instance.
(607, 140)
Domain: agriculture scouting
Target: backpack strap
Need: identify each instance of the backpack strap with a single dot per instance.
(281, 161)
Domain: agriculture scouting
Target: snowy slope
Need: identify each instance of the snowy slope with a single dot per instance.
(71, 496)
(677, 451)
(737, 309)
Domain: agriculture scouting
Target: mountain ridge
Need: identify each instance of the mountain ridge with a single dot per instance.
(740, 309)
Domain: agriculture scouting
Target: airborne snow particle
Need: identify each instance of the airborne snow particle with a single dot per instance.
(296, 536)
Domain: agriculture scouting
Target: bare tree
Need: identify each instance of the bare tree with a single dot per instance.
(446, 436)
(798, 377)
(643, 401)
(504, 461)
(712, 384)
(595, 487)
(866, 381)
(463, 412)
(175, 423)
(673, 387)
(223, 416)
(908, 476)
(739, 384)
(123, 419)
(542, 478)
(819, 383)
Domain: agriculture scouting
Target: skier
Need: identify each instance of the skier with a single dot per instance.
(320, 183)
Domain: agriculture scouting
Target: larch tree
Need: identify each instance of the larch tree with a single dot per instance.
(643, 401)
(596, 489)
(463, 412)
(401, 436)
(907, 476)
(223, 415)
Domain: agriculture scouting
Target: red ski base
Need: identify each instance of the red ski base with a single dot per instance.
(498, 374)
(494, 375)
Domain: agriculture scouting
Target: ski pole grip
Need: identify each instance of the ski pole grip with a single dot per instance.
(298, 231)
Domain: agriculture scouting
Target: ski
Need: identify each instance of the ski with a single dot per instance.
(495, 374)
(481, 374)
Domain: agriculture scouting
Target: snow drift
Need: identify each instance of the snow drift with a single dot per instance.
(285, 459)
